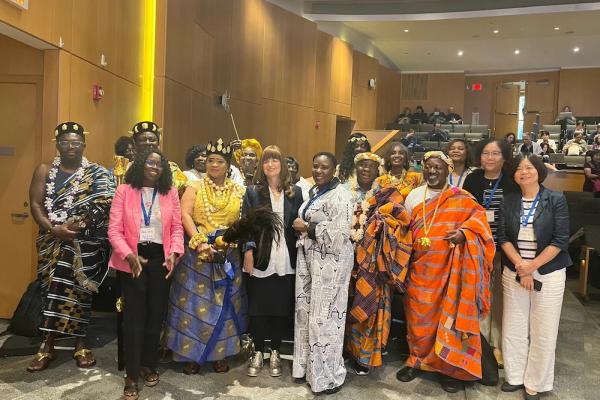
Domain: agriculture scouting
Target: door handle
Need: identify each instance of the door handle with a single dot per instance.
(20, 215)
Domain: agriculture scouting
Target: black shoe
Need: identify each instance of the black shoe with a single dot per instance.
(507, 387)
(532, 396)
(360, 370)
(407, 374)
(300, 381)
(332, 390)
(451, 385)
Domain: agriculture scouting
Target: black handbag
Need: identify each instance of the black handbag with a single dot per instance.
(489, 365)
(27, 317)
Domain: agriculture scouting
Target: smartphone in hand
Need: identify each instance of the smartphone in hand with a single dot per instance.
(537, 285)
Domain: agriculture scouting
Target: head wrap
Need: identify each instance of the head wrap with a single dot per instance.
(441, 156)
(69, 127)
(220, 148)
(373, 157)
(253, 144)
(145, 126)
(357, 138)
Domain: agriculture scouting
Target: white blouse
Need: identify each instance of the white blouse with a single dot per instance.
(153, 232)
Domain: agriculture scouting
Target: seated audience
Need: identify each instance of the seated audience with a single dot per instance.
(591, 135)
(576, 146)
(528, 146)
(596, 142)
(404, 116)
(419, 116)
(410, 139)
(535, 256)
(545, 138)
(452, 117)
(511, 139)
(568, 120)
(437, 134)
(592, 174)
(436, 117)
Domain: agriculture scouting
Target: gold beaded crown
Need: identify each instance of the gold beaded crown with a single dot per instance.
(145, 126)
(219, 148)
(69, 127)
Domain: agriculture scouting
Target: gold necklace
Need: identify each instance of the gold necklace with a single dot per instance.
(397, 179)
(425, 241)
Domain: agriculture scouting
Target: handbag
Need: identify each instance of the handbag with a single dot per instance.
(27, 318)
(489, 364)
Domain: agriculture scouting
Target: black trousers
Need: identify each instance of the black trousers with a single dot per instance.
(263, 327)
(145, 305)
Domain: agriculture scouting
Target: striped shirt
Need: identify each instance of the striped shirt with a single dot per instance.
(526, 241)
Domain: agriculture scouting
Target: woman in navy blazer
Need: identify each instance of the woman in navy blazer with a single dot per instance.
(271, 263)
(533, 232)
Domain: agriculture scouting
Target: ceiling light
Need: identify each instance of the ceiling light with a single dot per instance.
(575, 49)
(557, 28)
(460, 53)
(496, 31)
(406, 31)
(517, 51)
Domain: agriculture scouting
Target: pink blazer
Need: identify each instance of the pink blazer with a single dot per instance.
(125, 221)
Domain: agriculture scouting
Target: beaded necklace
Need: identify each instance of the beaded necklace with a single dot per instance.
(60, 216)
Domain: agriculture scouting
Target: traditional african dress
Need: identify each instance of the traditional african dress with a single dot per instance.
(323, 269)
(207, 303)
(71, 271)
(404, 184)
(179, 178)
(448, 288)
(381, 265)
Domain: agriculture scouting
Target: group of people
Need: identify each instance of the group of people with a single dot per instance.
(435, 117)
(207, 255)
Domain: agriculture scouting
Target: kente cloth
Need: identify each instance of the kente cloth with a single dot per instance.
(207, 303)
(382, 257)
(448, 288)
(71, 271)
(207, 310)
(179, 178)
(403, 184)
(323, 270)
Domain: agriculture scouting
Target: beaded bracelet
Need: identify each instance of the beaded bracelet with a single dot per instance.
(197, 240)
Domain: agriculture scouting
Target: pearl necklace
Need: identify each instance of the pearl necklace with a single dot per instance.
(224, 192)
(359, 216)
(60, 216)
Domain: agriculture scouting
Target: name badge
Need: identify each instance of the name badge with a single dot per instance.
(527, 234)
(490, 215)
(146, 234)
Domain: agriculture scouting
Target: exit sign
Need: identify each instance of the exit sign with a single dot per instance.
(476, 87)
(22, 4)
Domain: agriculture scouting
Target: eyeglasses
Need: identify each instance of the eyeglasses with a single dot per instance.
(491, 154)
(76, 144)
(154, 164)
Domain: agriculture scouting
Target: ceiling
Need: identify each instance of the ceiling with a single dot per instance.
(439, 29)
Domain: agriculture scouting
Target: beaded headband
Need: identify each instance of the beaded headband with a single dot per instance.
(219, 148)
(69, 127)
(357, 139)
(368, 156)
(441, 156)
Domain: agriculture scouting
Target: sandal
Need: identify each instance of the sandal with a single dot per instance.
(150, 376)
(131, 391)
(191, 368)
(41, 361)
(221, 366)
(84, 358)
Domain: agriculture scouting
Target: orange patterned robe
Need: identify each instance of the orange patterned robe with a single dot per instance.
(448, 288)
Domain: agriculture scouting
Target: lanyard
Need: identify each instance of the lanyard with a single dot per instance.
(315, 197)
(531, 210)
(148, 215)
(488, 201)
(459, 178)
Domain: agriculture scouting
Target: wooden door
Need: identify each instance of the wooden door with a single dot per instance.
(506, 116)
(539, 99)
(19, 114)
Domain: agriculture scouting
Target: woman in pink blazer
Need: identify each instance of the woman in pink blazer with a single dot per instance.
(146, 235)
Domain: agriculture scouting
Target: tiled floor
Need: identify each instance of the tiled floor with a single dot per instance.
(577, 374)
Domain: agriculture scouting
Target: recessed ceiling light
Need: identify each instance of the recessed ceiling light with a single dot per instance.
(496, 31)
(517, 51)
(557, 28)
(406, 31)
(460, 53)
(575, 49)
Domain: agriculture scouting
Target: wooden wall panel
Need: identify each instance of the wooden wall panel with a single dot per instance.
(177, 124)
(289, 57)
(45, 19)
(443, 91)
(364, 100)
(20, 59)
(341, 78)
(388, 96)
(579, 89)
(323, 72)
(128, 62)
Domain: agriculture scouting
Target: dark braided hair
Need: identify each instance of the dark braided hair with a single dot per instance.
(347, 162)
(135, 174)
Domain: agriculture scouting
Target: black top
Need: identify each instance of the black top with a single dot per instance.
(481, 188)
(588, 185)
(258, 196)
(416, 118)
(453, 116)
(550, 224)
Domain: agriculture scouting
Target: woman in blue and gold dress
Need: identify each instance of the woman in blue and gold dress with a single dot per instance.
(207, 310)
